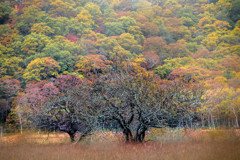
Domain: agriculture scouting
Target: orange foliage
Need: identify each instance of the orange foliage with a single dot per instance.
(93, 63)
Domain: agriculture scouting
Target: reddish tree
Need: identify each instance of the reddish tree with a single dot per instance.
(152, 59)
(90, 46)
(72, 38)
(150, 29)
(8, 90)
(157, 44)
(189, 74)
(202, 53)
(232, 62)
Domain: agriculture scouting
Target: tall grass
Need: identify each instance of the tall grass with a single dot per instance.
(193, 145)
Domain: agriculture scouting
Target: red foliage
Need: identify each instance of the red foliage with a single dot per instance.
(191, 74)
(123, 13)
(90, 47)
(12, 23)
(9, 86)
(150, 29)
(19, 8)
(177, 50)
(100, 29)
(173, 22)
(232, 62)
(72, 38)
(99, 21)
(235, 83)
(152, 59)
(66, 82)
(156, 44)
(202, 53)
(40, 92)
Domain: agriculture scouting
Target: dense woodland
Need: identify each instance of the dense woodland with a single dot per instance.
(85, 65)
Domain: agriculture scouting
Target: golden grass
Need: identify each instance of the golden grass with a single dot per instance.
(196, 145)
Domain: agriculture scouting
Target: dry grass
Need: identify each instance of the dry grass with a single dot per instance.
(196, 145)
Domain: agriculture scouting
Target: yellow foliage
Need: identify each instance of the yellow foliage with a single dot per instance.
(41, 68)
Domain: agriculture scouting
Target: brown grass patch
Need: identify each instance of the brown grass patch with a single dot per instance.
(196, 145)
(114, 151)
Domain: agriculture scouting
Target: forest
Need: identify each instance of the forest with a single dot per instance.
(80, 66)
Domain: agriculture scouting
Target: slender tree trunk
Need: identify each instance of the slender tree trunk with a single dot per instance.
(229, 125)
(209, 124)
(20, 122)
(236, 118)
(202, 120)
(6, 111)
(212, 121)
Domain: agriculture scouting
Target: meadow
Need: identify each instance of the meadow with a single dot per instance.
(220, 144)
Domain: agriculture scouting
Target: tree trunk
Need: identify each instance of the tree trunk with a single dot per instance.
(140, 134)
(20, 122)
(209, 124)
(236, 118)
(212, 121)
(71, 135)
(202, 120)
(128, 135)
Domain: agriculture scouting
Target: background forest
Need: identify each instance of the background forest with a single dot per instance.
(184, 50)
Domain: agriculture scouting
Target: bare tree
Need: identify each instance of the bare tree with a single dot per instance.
(66, 104)
(138, 103)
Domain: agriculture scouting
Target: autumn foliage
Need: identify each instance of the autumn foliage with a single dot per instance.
(61, 61)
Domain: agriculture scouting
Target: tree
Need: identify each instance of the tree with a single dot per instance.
(107, 44)
(34, 43)
(157, 45)
(142, 102)
(93, 9)
(138, 35)
(65, 103)
(127, 22)
(42, 28)
(202, 53)
(114, 29)
(95, 64)
(178, 49)
(192, 74)
(61, 8)
(41, 69)
(222, 9)
(127, 41)
(5, 10)
(234, 12)
(11, 67)
(30, 16)
(152, 59)
(211, 41)
(9, 88)
(63, 57)
(85, 16)
(149, 29)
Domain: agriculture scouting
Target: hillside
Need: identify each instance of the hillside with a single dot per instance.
(49, 46)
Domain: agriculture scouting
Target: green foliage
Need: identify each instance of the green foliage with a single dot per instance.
(114, 29)
(30, 16)
(170, 65)
(5, 29)
(64, 58)
(5, 10)
(198, 40)
(34, 43)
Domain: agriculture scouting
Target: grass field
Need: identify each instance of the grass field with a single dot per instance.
(164, 145)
